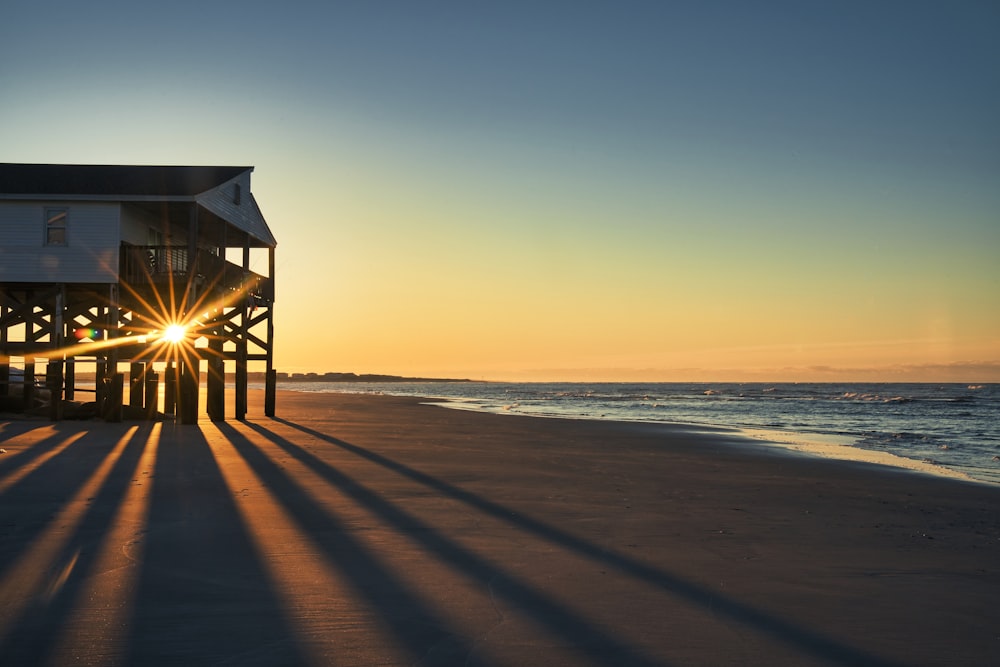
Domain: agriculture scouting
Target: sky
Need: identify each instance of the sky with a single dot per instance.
(659, 191)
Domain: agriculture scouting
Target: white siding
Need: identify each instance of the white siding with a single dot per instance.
(89, 256)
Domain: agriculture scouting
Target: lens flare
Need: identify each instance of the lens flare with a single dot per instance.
(174, 334)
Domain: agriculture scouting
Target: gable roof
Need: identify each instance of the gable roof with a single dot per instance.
(112, 180)
(143, 183)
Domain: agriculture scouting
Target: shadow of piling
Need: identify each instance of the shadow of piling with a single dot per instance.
(799, 638)
(592, 642)
(203, 595)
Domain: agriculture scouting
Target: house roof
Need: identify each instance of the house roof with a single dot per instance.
(112, 180)
(136, 184)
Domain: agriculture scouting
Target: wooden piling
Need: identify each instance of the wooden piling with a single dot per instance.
(115, 392)
(188, 407)
(152, 386)
(28, 395)
(54, 383)
(101, 388)
(70, 376)
(136, 384)
(241, 381)
(170, 389)
(270, 389)
(215, 394)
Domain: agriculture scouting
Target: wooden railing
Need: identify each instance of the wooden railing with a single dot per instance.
(160, 264)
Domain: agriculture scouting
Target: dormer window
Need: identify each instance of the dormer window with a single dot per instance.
(56, 226)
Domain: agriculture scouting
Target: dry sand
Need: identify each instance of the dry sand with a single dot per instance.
(362, 530)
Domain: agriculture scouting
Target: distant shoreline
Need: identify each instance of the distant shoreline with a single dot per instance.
(259, 377)
(348, 377)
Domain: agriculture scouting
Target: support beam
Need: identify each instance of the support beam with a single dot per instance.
(70, 379)
(54, 383)
(190, 298)
(113, 330)
(101, 393)
(24, 311)
(29, 383)
(137, 384)
(115, 397)
(170, 389)
(241, 342)
(216, 381)
(187, 408)
(271, 382)
(241, 381)
(270, 392)
(152, 390)
(4, 354)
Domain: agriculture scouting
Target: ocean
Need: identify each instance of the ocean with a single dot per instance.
(939, 428)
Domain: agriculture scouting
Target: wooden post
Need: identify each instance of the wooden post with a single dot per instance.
(57, 339)
(136, 384)
(216, 381)
(183, 393)
(170, 389)
(241, 342)
(101, 388)
(4, 359)
(270, 392)
(112, 329)
(116, 396)
(271, 382)
(29, 383)
(103, 395)
(70, 392)
(241, 379)
(54, 381)
(192, 245)
(54, 369)
(188, 407)
(152, 385)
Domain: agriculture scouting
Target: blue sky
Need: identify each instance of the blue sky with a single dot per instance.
(566, 190)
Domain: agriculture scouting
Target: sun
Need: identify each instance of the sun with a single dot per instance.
(174, 334)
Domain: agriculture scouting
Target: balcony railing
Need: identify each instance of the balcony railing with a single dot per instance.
(157, 265)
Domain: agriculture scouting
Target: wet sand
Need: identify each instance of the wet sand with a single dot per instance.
(359, 530)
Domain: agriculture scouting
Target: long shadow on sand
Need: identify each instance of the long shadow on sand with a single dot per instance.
(593, 642)
(28, 506)
(418, 629)
(203, 595)
(800, 638)
(31, 637)
(12, 462)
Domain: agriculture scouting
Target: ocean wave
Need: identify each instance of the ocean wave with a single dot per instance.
(875, 398)
(953, 424)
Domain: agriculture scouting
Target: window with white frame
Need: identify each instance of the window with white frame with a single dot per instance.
(56, 226)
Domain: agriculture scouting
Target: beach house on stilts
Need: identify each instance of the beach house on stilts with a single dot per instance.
(161, 270)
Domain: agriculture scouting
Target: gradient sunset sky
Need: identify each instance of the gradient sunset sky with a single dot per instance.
(567, 190)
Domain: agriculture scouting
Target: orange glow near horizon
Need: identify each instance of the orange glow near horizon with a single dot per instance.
(683, 208)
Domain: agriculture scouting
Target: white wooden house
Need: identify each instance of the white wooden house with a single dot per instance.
(121, 252)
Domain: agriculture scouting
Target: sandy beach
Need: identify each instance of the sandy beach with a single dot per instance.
(372, 530)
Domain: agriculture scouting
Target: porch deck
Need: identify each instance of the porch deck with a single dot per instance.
(156, 266)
